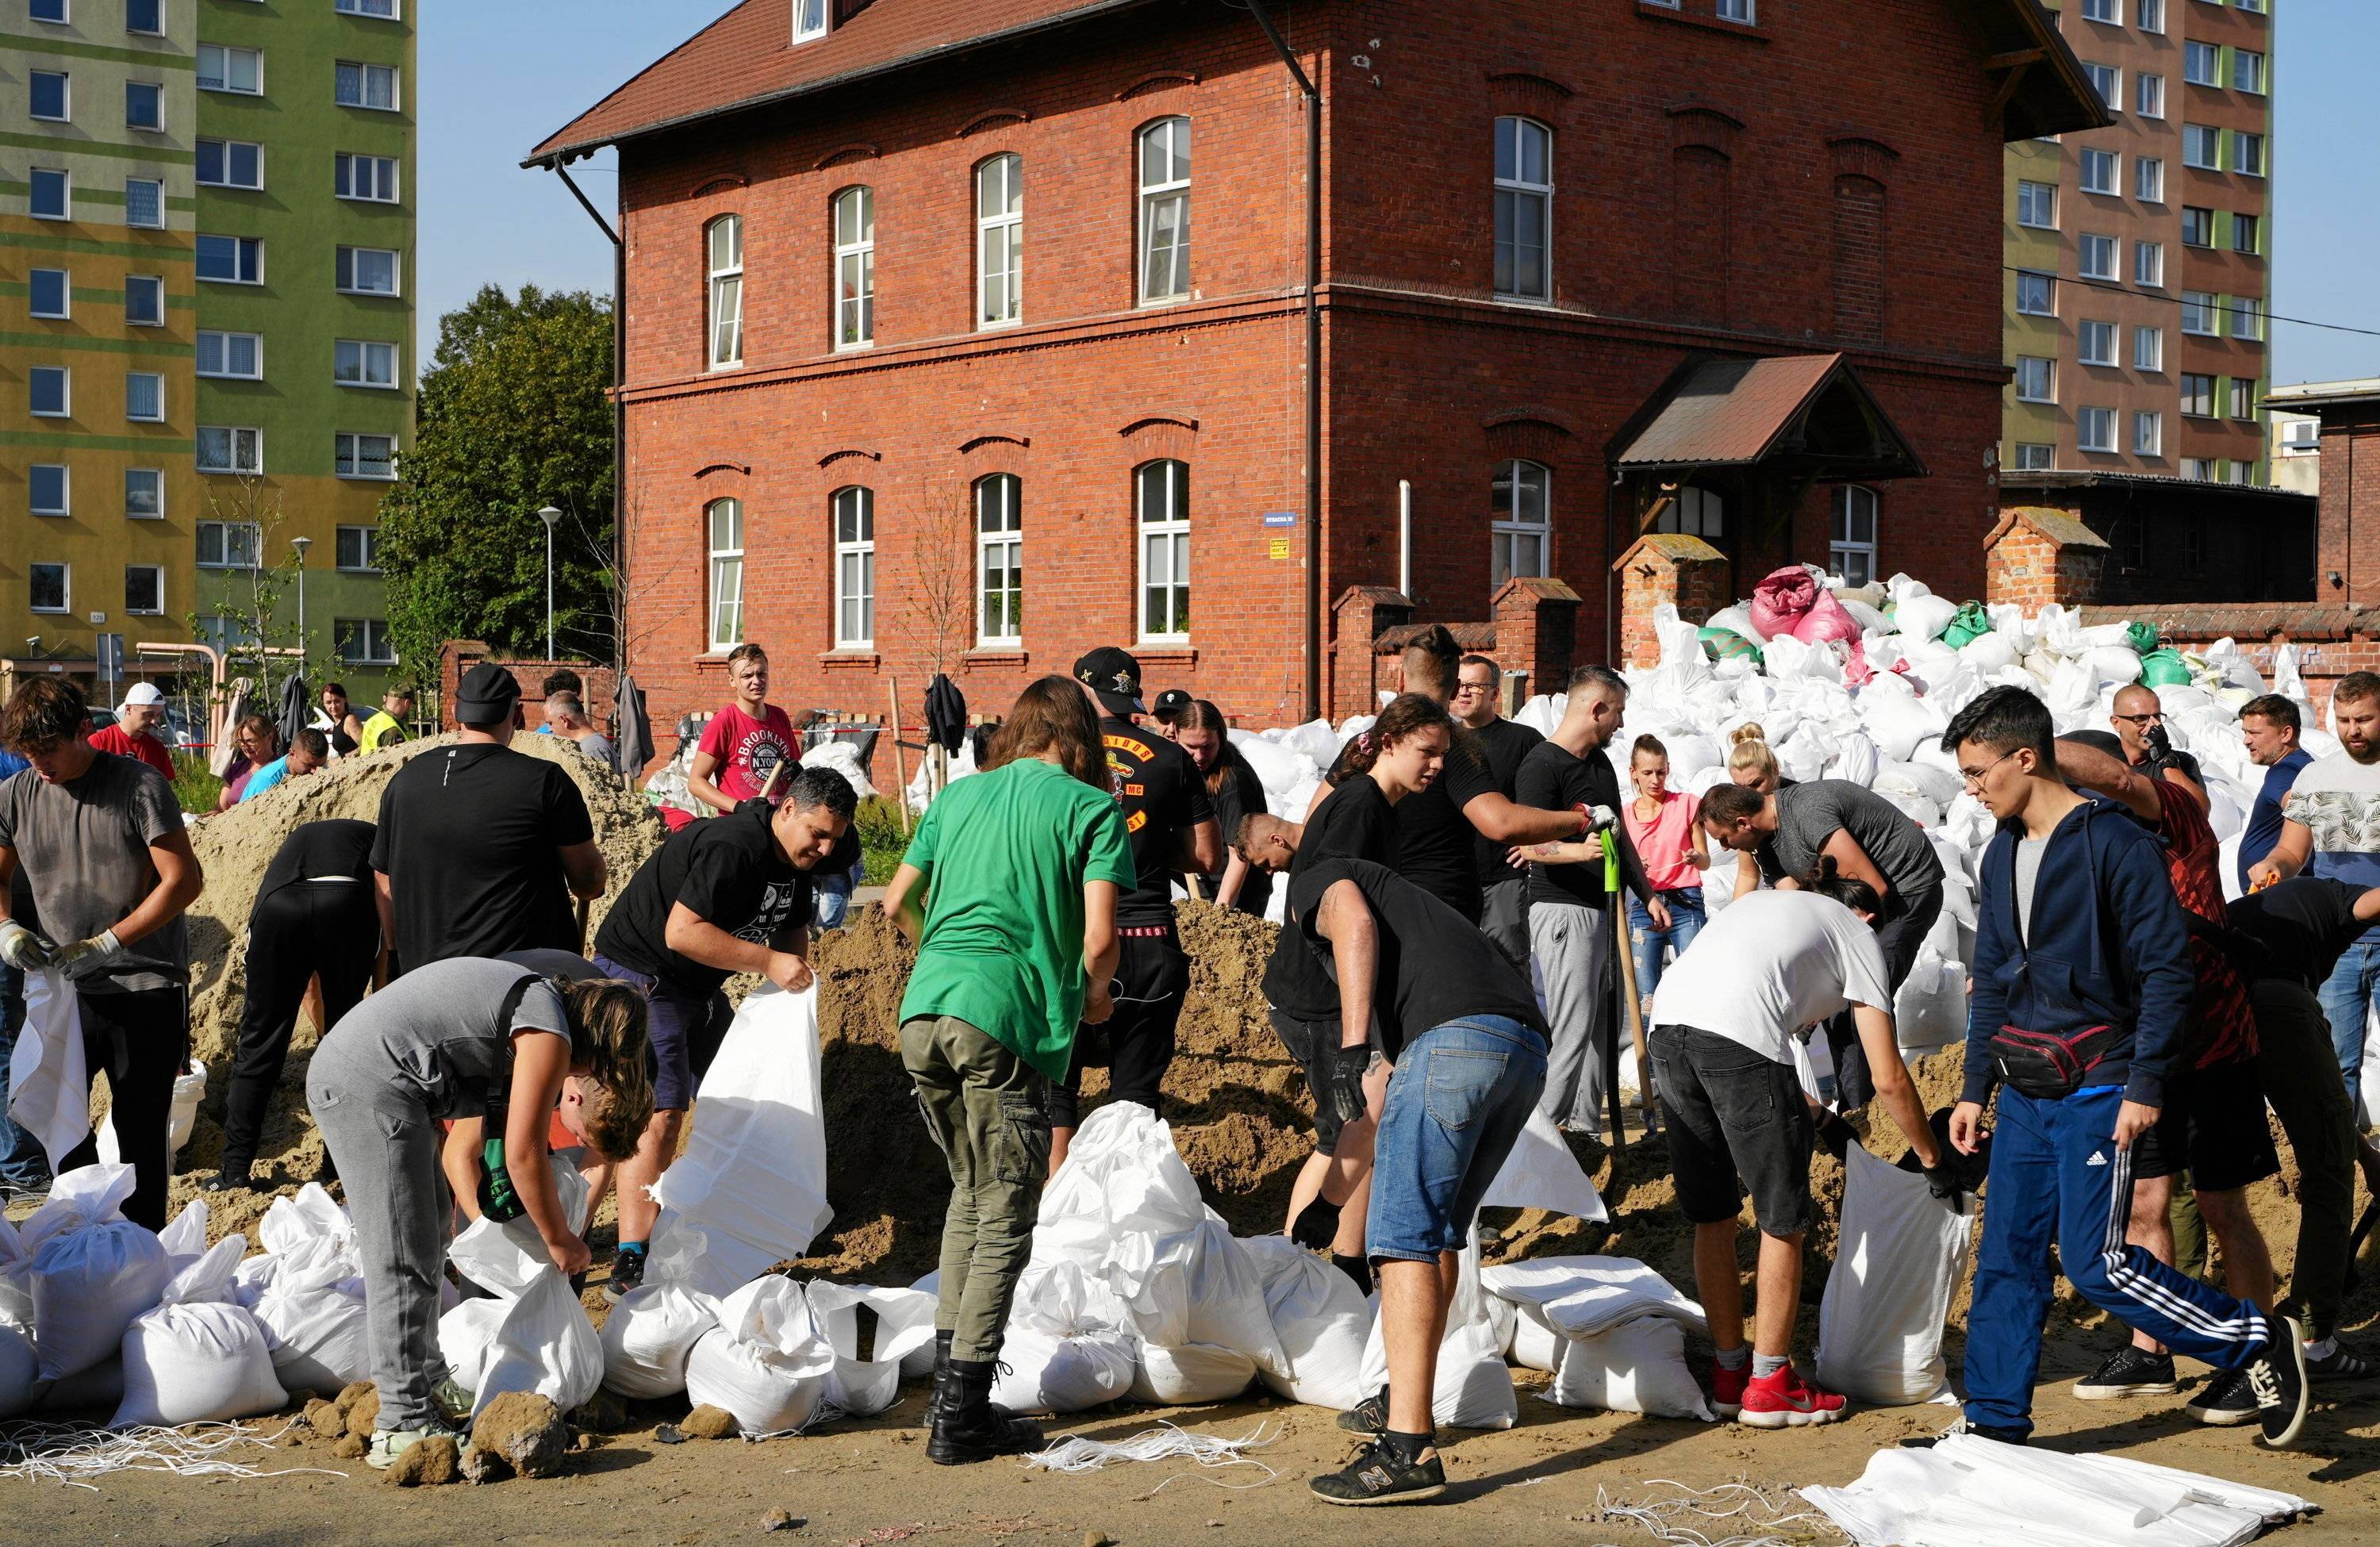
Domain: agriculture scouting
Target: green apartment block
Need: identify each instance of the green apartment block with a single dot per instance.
(206, 322)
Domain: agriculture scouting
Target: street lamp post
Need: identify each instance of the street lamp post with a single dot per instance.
(301, 544)
(549, 516)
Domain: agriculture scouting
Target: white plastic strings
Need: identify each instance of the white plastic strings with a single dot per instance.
(1732, 1514)
(73, 1456)
(1167, 1441)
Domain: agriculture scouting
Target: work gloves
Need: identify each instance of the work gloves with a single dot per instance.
(89, 952)
(1946, 1184)
(1348, 1066)
(2161, 753)
(23, 949)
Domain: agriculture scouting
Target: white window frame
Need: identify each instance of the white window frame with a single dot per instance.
(240, 437)
(2198, 469)
(157, 9)
(2095, 256)
(156, 285)
(725, 594)
(65, 374)
(367, 539)
(723, 336)
(223, 343)
(357, 9)
(2096, 444)
(66, 193)
(2148, 348)
(65, 588)
(2048, 375)
(2148, 179)
(1000, 551)
(367, 352)
(157, 573)
(1169, 478)
(244, 251)
(348, 459)
(813, 19)
(1744, 13)
(2149, 16)
(366, 74)
(2148, 265)
(225, 76)
(2086, 332)
(2148, 94)
(132, 376)
(2050, 280)
(1844, 542)
(852, 221)
(2108, 82)
(2030, 196)
(999, 240)
(2244, 319)
(346, 264)
(2210, 136)
(2112, 186)
(2033, 455)
(2241, 140)
(379, 647)
(1161, 198)
(66, 295)
(227, 551)
(2148, 433)
(1515, 193)
(228, 147)
(2187, 393)
(852, 509)
(2194, 51)
(1695, 512)
(2240, 56)
(157, 96)
(64, 18)
(348, 163)
(2203, 307)
(1510, 530)
(2107, 13)
(66, 490)
(157, 490)
(65, 115)
(155, 199)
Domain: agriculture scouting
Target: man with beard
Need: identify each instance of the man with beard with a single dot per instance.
(2270, 727)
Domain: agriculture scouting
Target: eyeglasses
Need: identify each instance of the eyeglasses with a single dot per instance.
(1975, 780)
(1475, 688)
(2153, 717)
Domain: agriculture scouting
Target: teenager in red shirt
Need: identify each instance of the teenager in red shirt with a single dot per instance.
(745, 741)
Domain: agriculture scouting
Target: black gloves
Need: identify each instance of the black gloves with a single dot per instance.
(1348, 1066)
(2161, 753)
(1944, 1182)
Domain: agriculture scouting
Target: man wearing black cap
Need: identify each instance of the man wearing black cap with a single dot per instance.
(1172, 828)
(1167, 712)
(480, 847)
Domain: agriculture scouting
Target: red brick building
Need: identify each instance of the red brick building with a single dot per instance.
(974, 333)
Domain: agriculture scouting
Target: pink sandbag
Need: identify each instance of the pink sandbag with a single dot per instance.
(1793, 600)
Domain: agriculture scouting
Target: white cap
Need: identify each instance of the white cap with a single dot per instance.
(143, 693)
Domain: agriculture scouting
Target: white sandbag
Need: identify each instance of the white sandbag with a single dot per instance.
(49, 1083)
(1323, 1322)
(1277, 766)
(1583, 1296)
(1737, 619)
(309, 1293)
(185, 1236)
(1930, 1008)
(2114, 664)
(844, 758)
(1636, 1367)
(92, 1273)
(21, 1371)
(1856, 759)
(1924, 617)
(764, 1362)
(1228, 1305)
(198, 1358)
(1689, 755)
(1535, 1345)
(904, 1324)
(1190, 1375)
(1315, 741)
(753, 1176)
(1541, 1173)
(189, 1087)
(1896, 1262)
(648, 1334)
(1988, 652)
(1043, 1373)
(94, 1392)
(1474, 1388)
(540, 1340)
(1897, 723)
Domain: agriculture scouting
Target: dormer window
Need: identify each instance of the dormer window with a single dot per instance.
(812, 18)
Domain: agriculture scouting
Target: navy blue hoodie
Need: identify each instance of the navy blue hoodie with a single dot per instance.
(2110, 947)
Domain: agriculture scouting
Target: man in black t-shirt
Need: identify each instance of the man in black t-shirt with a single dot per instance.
(481, 848)
(727, 895)
(1172, 828)
(1504, 892)
(1460, 1027)
(313, 915)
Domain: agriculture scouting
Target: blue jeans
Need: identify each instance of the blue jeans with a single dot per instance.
(2058, 1178)
(1685, 905)
(22, 1164)
(1460, 1097)
(2346, 994)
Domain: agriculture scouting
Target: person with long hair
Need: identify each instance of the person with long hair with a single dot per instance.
(465, 1038)
(1009, 890)
(1234, 792)
(1668, 842)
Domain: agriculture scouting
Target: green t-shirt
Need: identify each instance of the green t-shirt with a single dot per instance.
(1005, 855)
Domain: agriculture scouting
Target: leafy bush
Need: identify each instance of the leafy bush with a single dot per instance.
(880, 838)
(195, 789)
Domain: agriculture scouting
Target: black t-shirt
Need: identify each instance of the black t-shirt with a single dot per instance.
(1435, 843)
(1354, 822)
(1504, 744)
(1552, 777)
(1162, 797)
(1434, 967)
(334, 850)
(2304, 924)
(469, 839)
(1240, 792)
(727, 871)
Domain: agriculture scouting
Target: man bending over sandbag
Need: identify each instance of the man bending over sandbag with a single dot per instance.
(727, 895)
(1461, 1027)
(1771, 966)
(1009, 888)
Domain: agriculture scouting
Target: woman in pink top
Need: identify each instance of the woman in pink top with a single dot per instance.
(1669, 841)
(745, 741)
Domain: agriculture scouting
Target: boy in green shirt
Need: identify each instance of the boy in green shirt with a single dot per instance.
(1009, 889)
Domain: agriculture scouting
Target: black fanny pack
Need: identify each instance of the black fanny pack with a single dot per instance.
(2049, 1065)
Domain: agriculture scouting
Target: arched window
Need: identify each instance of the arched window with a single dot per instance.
(724, 242)
(1695, 512)
(1520, 513)
(855, 568)
(1000, 241)
(1000, 559)
(854, 268)
(1525, 209)
(1851, 552)
(725, 520)
(1165, 210)
(1161, 493)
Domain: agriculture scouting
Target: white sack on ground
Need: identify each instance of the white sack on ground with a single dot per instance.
(93, 1272)
(1063, 1350)
(1583, 1296)
(49, 1084)
(1190, 1375)
(844, 758)
(904, 1324)
(533, 1336)
(1323, 1322)
(1636, 1367)
(648, 1334)
(764, 1362)
(1475, 1386)
(307, 1292)
(198, 1358)
(753, 1176)
(185, 1237)
(1541, 1173)
(189, 1087)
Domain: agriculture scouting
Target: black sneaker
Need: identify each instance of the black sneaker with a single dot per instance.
(1981, 1431)
(1380, 1475)
(2131, 1371)
(1369, 1416)
(627, 1272)
(2277, 1378)
(226, 1181)
(2344, 1364)
(2224, 1401)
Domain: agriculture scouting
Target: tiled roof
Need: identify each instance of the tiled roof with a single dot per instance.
(2242, 620)
(2066, 531)
(748, 56)
(1729, 411)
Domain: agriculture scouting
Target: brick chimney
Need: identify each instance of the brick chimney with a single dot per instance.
(1536, 631)
(1358, 618)
(2036, 556)
(1666, 567)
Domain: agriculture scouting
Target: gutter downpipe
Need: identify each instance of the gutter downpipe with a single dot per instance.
(1314, 705)
(619, 415)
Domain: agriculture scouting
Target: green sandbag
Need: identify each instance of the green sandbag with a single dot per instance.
(1725, 644)
(1971, 622)
(2164, 668)
(2141, 637)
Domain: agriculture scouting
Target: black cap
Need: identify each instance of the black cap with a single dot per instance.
(486, 695)
(1172, 701)
(1114, 677)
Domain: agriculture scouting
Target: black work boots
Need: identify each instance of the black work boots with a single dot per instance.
(966, 1426)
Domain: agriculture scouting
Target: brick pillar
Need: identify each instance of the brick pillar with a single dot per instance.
(1686, 572)
(1536, 631)
(1362, 613)
(2036, 556)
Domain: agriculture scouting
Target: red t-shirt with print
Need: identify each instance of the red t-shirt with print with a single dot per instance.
(748, 751)
(2222, 1027)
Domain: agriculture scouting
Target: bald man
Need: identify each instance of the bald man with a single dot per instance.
(2140, 725)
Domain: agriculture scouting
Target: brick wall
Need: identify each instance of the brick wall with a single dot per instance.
(1426, 376)
(599, 685)
(1684, 572)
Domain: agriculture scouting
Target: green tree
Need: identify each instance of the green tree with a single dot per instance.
(512, 416)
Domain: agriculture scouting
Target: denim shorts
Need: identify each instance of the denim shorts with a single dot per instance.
(685, 1035)
(1460, 1096)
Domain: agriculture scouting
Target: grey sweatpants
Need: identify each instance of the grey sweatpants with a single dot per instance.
(1574, 950)
(386, 1150)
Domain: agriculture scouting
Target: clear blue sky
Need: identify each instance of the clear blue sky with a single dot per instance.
(500, 75)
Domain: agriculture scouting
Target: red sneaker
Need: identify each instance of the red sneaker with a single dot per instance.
(1727, 1387)
(1786, 1401)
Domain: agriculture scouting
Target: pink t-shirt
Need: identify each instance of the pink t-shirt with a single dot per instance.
(748, 750)
(1664, 843)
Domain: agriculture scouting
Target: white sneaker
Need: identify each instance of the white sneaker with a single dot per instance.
(387, 1445)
